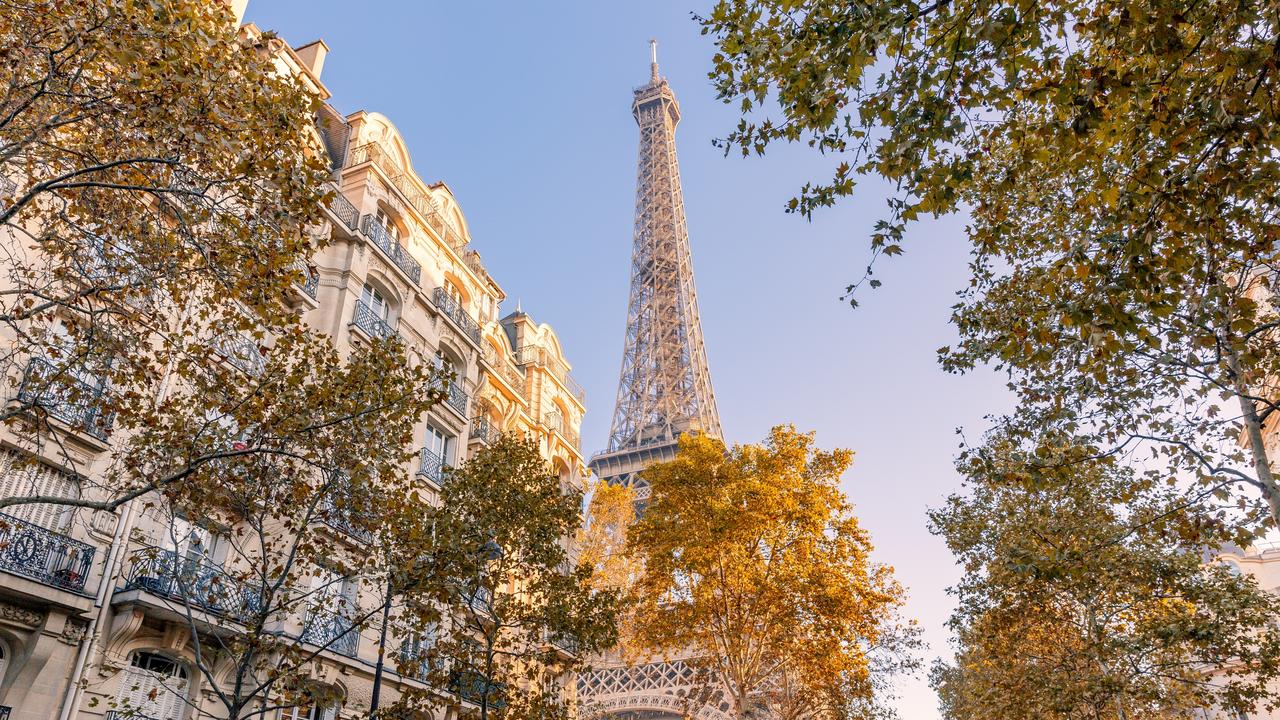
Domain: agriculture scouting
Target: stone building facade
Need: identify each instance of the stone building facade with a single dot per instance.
(78, 635)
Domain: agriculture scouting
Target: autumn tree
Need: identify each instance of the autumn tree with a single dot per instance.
(519, 612)
(1117, 161)
(755, 567)
(161, 181)
(1086, 593)
(159, 177)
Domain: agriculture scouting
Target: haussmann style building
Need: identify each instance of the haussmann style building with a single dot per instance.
(80, 629)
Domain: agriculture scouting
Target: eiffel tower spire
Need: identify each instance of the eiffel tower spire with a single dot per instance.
(665, 385)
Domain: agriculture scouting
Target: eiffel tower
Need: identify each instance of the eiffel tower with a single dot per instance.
(664, 389)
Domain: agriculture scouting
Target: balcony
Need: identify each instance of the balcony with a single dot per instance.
(371, 322)
(342, 208)
(473, 687)
(421, 664)
(241, 351)
(556, 422)
(503, 368)
(419, 201)
(534, 355)
(194, 582)
(431, 466)
(310, 284)
(331, 630)
(43, 555)
(483, 431)
(391, 247)
(66, 398)
(457, 398)
(564, 642)
(452, 309)
(338, 513)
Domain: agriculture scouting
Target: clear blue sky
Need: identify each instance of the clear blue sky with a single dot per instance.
(524, 109)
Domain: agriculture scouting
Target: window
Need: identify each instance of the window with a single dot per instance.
(4, 660)
(333, 592)
(190, 543)
(373, 300)
(454, 294)
(22, 477)
(384, 219)
(440, 444)
(153, 685)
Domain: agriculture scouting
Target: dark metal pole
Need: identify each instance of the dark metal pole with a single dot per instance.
(382, 651)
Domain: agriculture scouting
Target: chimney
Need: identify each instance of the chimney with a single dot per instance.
(312, 56)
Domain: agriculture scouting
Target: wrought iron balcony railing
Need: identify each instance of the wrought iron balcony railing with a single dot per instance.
(419, 201)
(484, 431)
(310, 279)
(505, 369)
(391, 247)
(458, 398)
(66, 398)
(344, 210)
(331, 630)
(420, 662)
(535, 355)
(452, 309)
(565, 642)
(371, 322)
(241, 351)
(43, 555)
(194, 582)
(474, 687)
(431, 466)
(5, 710)
(124, 715)
(338, 513)
(556, 421)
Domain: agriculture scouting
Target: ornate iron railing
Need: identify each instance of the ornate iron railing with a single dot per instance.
(43, 555)
(535, 355)
(503, 367)
(555, 420)
(458, 398)
(564, 641)
(338, 513)
(473, 687)
(331, 630)
(124, 715)
(417, 655)
(5, 710)
(483, 430)
(68, 399)
(452, 309)
(310, 279)
(391, 247)
(344, 210)
(241, 351)
(431, 466)
(194, 582)
(370, 322)
(426, 207)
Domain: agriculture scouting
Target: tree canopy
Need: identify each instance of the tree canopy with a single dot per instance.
(754, 566)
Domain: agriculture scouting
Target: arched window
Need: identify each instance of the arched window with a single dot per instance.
(455, 293)
(384, 219)
(4, 661)
(373, 299)
(153, 685)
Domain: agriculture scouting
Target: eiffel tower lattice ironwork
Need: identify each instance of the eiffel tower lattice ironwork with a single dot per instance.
(664, 391)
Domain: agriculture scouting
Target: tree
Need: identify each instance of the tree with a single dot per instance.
(162, 188)
(754, 565)
(160, 176)
(517, 613)
(1118, 163)
(1086, 593)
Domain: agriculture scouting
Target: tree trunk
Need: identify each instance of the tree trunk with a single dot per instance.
(1253, 428)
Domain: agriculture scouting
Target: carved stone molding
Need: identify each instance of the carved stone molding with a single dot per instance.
(21, 616)
(74, 630)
